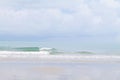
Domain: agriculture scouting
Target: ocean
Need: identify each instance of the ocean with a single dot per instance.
(23, 61)
(68, 46)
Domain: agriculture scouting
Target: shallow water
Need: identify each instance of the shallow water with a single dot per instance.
(26, 70)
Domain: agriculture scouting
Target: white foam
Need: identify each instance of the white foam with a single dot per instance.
(11, 54)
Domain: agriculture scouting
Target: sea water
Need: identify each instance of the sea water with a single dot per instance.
(25, 69)
(37, 70)
(62, 46)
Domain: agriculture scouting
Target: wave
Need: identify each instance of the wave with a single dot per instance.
(29, 49)
(19, 49)
(42, 50)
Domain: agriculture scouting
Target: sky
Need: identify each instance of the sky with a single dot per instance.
(69, 21)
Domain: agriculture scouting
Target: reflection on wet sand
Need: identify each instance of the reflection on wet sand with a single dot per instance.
(49, 69)
(45, 70)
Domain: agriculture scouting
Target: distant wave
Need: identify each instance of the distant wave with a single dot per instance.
(24, 49)
(44, 50)
(28, 49)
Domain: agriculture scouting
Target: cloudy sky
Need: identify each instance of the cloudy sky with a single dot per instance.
(80, 21)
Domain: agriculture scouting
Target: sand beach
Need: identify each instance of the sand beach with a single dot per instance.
(34, 66)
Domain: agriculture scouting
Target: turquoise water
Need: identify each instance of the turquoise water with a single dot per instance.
(34, 46)
(29, 49)
(61, 46)
(19, 46)
(37, 70)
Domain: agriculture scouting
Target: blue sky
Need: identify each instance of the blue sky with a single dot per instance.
(76, 20)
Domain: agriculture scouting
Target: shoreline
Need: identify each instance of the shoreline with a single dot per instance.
(36, 56)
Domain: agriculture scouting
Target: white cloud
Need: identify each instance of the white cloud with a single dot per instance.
(70, 17)
(111, 3)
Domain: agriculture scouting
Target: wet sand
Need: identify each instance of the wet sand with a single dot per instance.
(27, 70)
(59, 67)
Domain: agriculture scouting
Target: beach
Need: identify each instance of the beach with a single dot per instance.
(59, 39)
(48, 70)
(34, 66)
